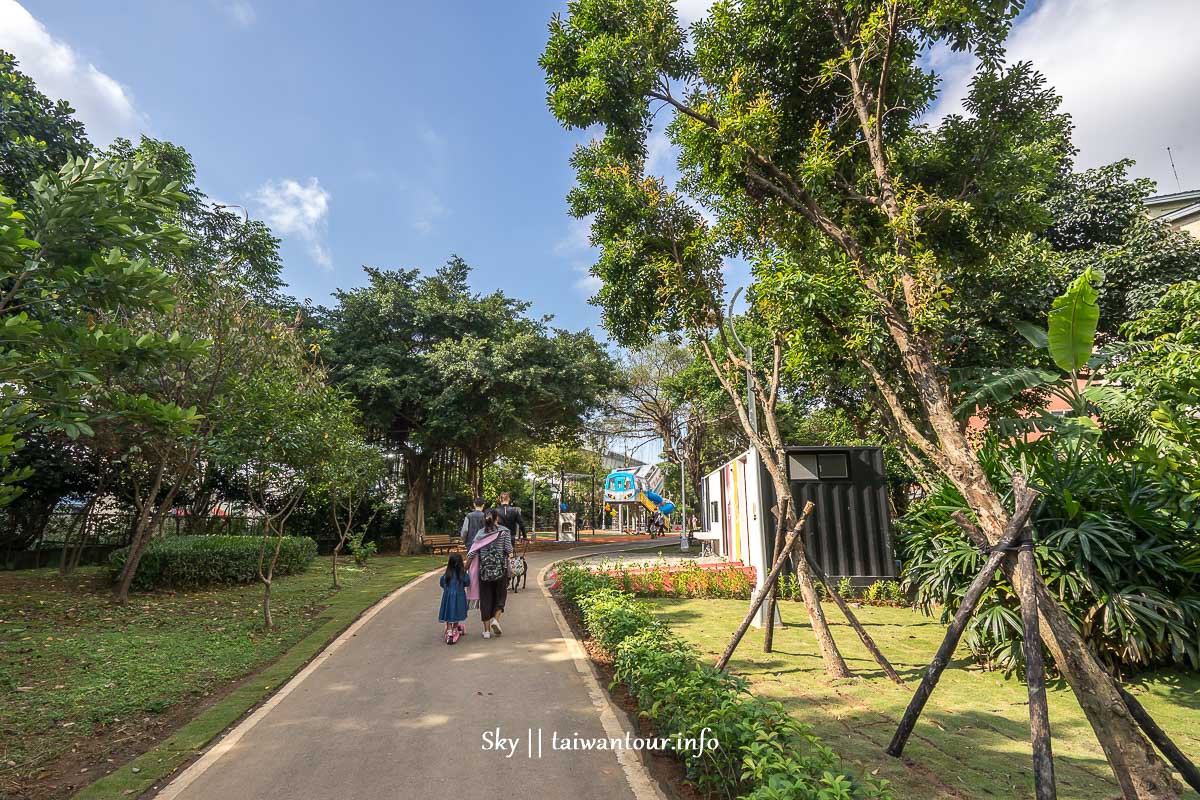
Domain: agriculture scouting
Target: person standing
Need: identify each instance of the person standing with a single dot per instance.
(487, 568)
(472, 524)
(453, 611)
(510, 517)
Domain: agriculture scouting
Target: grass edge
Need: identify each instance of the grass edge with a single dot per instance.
(191, 740)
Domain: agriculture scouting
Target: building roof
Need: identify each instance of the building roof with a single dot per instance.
(1174, 207)
(1174, 197)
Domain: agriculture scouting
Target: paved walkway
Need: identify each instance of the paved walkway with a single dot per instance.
(393, 712)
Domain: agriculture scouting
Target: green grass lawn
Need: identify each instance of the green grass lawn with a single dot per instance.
(972, 740)
(79, 674)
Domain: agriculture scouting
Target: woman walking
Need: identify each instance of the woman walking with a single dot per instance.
(487, 566)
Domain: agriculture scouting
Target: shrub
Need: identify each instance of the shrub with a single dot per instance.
(762, 752)
(187, 561)
(884, 593)
(1109, 547)
(360, 550)
(612, 616)
(576, 580)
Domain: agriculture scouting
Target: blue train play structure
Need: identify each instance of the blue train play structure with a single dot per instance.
(638, 487)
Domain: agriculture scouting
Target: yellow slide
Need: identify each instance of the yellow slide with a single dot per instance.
(647, 502)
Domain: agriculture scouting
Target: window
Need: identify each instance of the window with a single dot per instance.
(714, 515)
(802, 467)
(833, 466)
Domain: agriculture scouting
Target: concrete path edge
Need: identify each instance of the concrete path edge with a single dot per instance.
(223, 744)
(614, 719)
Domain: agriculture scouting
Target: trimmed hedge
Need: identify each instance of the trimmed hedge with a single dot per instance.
(188, 561)
(763, 752)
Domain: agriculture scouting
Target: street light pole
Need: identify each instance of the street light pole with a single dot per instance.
(683, 533)
(751, 406)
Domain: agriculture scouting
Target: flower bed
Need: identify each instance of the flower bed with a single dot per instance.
(761, 751)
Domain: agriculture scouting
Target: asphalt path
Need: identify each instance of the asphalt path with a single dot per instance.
(391, 711)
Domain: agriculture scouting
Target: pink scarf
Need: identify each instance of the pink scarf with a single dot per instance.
(480, 542)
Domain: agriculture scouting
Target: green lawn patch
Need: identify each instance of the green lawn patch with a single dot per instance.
(85, 681)
(972, 740)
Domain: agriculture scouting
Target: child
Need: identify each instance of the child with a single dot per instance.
(454, 584)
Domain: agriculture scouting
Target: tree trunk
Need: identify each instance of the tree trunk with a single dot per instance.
(268, 623)
(835, 665)
(773, 589)
(139, 538)
(414, 518)
(416, 479)
(337, 548)
(1139, 770)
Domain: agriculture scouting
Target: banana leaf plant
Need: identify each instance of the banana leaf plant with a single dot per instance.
(1069, 339)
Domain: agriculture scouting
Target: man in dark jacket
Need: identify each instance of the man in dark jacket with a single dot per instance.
(472, 524)
(510, 517)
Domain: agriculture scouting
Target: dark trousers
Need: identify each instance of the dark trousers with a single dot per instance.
(492, 595)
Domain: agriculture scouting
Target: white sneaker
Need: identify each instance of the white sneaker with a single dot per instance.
(487, 634)
(496, 629)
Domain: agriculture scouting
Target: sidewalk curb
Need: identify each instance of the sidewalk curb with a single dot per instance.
(614, 719)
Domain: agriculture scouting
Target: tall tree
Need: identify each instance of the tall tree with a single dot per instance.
(800, 128)
(73, 264)
(438, 367)
(36, 135)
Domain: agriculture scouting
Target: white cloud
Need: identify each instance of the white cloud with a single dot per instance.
(240, 12)
(575, 247)
(1126, 72)
(100, 102)
(661, 157)
(298, 209)
(426, 209)
(692, 10)
(576, 241)
(587, 283)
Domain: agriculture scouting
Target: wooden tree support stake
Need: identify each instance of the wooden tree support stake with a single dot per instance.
(1035, 674)
(867, 641)
(761, 595)
(773, 589)
(966, 608)
(1178, 760)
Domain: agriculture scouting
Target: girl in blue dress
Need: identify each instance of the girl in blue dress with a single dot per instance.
(454, 584)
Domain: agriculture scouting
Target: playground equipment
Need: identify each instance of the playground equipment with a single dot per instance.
(637, 487)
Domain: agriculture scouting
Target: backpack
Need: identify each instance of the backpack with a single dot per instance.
(493, 566)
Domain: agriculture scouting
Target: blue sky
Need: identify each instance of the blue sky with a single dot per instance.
(391, 138)
(396, 133)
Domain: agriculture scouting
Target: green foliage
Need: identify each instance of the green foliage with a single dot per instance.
(189, 561)
(360, 550)
(1070, 342)
(611, 616)
(577, 581)
(761, 751)
(1071, 332)
(1109, 547)
(1100, 220)
(1159, 374)
(36, 134)
(75, 257)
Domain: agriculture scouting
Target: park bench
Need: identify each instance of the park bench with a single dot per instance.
(442, 542)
